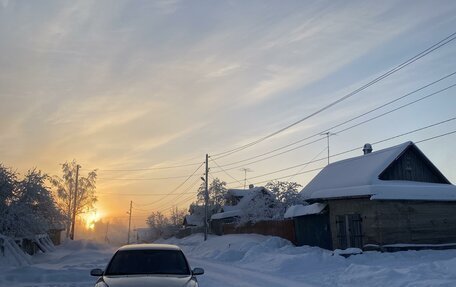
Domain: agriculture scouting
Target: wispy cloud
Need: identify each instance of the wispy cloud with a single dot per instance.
(124, 83)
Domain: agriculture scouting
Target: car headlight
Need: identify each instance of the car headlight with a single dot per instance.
(101, 284)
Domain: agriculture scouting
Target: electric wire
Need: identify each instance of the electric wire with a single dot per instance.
(224, 170)
(352, 119)
(146, 179)
(399, 67)
(147, 169)
(340, 131)
(179, 194)
(357, 148)
(180, 185)
(304, 167)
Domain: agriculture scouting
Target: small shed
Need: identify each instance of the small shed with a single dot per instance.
(193, 220)
(391, 196)
(311, 224)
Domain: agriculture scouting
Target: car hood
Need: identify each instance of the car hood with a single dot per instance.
(150, 280)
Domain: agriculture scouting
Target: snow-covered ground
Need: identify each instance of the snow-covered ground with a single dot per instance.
(250, 260)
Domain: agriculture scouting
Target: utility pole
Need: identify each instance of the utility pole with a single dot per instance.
(327, 134)
(73, 223)
(129, 222)
(106, 239)
(245, 170)
(206, 198)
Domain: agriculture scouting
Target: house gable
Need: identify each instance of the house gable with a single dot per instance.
(413, 165)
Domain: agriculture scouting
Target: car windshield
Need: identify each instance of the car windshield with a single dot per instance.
(131, 262)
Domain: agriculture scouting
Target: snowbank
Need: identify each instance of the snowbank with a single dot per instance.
(249, 260)
(318, 267)
(11, 254)
(68, 265)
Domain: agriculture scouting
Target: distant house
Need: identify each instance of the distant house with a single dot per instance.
(238, 203)
(146, 234)
(388, 197)
(193, 220)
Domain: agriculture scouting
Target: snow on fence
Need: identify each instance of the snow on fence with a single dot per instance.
(280, 228)
(44, 242)
(11, 253)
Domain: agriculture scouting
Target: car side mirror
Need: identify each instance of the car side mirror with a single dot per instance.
(198, 271)
(96, 272)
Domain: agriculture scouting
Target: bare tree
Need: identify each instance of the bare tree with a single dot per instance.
(177, 216)
(158, 221)
(65, 190)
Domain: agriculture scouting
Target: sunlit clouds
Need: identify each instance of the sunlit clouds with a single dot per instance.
(131, 85)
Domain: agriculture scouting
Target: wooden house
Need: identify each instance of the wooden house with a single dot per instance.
(391, 197)
(237, 204)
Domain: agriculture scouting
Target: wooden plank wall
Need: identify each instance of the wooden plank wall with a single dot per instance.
(280, 228)
(390, 222)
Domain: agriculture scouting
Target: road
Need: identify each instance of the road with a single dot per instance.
(70, 267)
(224, 274)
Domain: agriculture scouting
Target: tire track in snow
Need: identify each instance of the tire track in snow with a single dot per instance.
(224, 274)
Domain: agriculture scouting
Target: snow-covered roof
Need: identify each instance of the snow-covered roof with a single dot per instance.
(359, 176)
(193, 219)
(300, 210)
(227, 214)
(245, 195)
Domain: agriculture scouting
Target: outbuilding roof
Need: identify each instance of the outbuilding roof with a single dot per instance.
(301, 210)
(359, 176)
(193, 219)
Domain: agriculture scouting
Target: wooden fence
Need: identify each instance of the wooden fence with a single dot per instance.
(280, 228)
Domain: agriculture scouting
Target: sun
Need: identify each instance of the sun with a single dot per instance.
(91, 218)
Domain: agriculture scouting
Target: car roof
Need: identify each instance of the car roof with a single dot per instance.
(149, 246)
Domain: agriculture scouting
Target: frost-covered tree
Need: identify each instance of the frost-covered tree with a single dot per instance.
(65, 188)
(8, 189)
(286, 193)
(217, 194)
(27, 206)
(158, 221)
(35, 195)
(262, 206)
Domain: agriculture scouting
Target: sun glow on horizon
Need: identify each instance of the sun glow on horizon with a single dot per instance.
(91, 218)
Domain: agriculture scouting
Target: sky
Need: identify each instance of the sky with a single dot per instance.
(125, 87)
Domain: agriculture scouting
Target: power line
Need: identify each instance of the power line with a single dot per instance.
(312, 170)
(180, 185)
(420, 55)
(345, 129)
(178, 195)
(357, 148)
(139, 179)
(315, 157)
(282, 177)
(150, 168)
(224, 170)
(398, 108)
(345, 122)
(133, 194)
(187, 199)
(438, 136)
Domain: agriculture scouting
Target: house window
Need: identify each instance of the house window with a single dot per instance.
(349, 231)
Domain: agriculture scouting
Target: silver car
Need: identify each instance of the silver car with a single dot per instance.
(138, 265)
